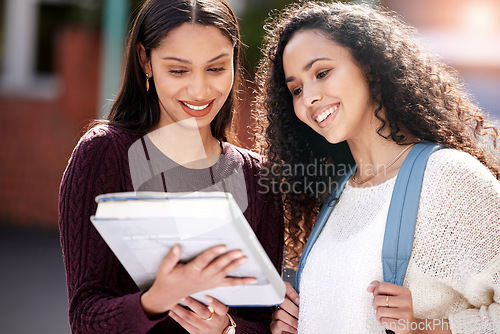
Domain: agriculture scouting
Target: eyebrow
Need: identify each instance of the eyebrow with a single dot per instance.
(188, 62)
(307, 67)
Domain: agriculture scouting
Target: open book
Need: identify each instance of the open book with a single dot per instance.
(141, 227)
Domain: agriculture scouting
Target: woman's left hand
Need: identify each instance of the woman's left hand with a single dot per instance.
(199, 318)
(394, 306)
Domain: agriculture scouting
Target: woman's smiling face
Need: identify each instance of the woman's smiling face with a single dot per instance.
(330, 92)
(193, 73)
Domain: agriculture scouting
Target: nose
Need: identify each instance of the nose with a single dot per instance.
(311, 94)
(198, 88)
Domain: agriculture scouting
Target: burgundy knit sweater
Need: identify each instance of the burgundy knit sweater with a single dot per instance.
(102, 296)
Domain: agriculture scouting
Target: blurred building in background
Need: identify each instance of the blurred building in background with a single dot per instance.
(466, 34)
(59, 67)
(50, 55)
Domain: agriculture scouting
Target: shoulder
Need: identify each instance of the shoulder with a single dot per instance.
(253, 168)
(107, 134)
(104, 139)
(458, 214)
(457, 185)
(99, 161)
(449, 166)
(246, 157)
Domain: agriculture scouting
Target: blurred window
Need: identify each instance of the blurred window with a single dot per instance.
(51, 17)
(2, 32)
(29, 30)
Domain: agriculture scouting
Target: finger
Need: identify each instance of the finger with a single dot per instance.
(388, 314)
(290, 307)
(183, 312)
(189, 315)
(391, 301)
(385, 288)
(186, 324)
(285, 317)
(226, 263)
(394, 313)
(231, 267)
(233, 281)
(200, 309)
(372, 286)
(206, 257)
(279, 327)
(171, 259)
(219, 308)
(292, 294)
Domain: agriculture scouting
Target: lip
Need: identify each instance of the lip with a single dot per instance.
(197, 113)
(327, 120)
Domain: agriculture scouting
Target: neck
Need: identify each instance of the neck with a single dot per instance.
(187, 145)
(377, 160)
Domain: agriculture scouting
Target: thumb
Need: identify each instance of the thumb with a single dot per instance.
(372, 286)
(171, 259)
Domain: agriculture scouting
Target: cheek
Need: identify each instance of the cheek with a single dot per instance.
(227, 83)
(300, 113)
(166, 92)
(164, 84)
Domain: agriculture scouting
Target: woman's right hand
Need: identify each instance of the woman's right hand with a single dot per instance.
(176, 281)
(285, 319)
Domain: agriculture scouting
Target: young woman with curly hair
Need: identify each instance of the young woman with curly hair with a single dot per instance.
(343, 85)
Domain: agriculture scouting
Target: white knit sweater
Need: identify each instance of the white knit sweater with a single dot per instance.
(454, 271)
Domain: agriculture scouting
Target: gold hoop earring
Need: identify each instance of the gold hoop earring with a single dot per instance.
(147, 82)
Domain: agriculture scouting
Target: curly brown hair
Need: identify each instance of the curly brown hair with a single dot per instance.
(421, 96)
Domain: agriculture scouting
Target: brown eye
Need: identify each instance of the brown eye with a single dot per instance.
(177, 72)
(322, 74)
(216, 69)
(297, 91)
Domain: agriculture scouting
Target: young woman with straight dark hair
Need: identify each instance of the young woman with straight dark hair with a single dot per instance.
(172, 119)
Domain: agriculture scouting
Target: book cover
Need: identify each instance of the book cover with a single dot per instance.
(141, 227)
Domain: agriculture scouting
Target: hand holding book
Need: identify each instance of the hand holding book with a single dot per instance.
(176, 281)
(176, 245)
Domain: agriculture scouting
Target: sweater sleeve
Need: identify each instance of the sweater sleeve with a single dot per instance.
(267, 222)
(459, 240)
(96, 281)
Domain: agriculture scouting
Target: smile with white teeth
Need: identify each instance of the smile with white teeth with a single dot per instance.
(197, 108)
(321, 117)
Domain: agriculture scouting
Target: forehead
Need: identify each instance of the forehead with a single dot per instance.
(190, 41)
(306, 45)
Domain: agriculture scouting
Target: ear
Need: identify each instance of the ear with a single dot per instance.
(144, 60)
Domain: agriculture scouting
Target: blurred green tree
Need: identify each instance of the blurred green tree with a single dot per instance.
(252, 29)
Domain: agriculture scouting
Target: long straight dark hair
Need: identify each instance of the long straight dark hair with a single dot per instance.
(138, 111)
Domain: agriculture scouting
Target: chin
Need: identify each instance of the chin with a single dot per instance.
(332, 139)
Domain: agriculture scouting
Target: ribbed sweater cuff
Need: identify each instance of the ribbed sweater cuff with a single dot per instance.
(136, 313)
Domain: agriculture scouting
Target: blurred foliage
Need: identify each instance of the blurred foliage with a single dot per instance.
(252, 30)
(87, 12)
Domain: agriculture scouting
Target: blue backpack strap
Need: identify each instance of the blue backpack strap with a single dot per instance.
(402, 216)
(323, 215)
